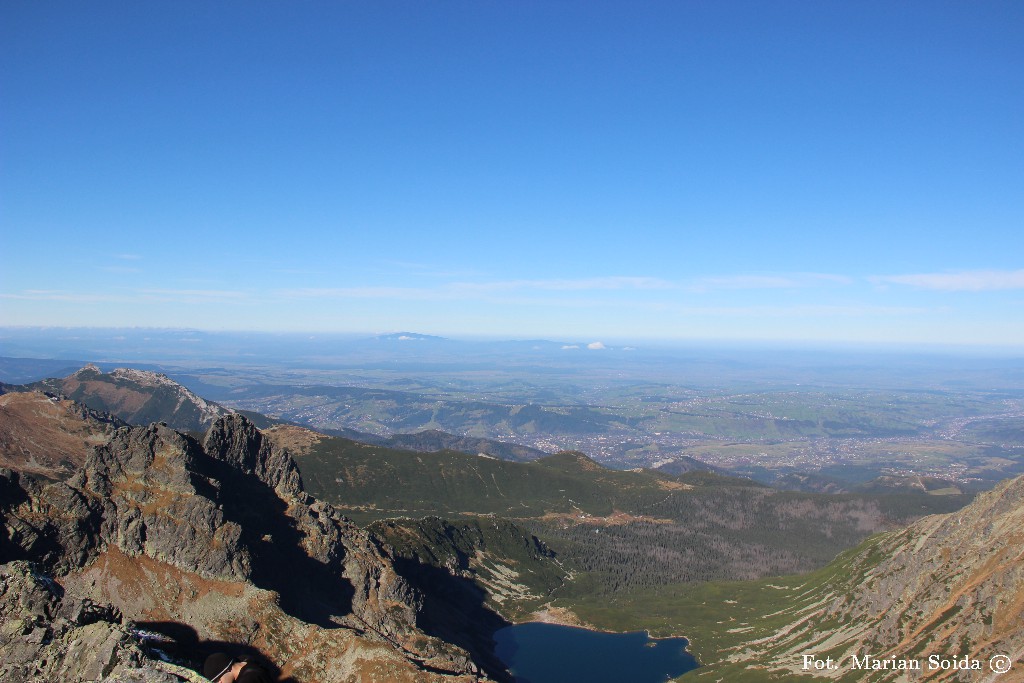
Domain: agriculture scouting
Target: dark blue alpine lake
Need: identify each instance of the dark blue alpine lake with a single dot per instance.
(550, 653)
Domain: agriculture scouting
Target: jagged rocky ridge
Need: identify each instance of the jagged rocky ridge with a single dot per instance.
(217, 542)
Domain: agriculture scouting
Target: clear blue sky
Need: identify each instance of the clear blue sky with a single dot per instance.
(779, 170)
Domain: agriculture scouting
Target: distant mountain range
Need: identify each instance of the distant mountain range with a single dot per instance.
(140, 397)
(709, 365)
(653, 528)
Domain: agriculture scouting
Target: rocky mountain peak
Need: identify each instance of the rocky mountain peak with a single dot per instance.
(87, 371)
(145, 457)
(236, 441)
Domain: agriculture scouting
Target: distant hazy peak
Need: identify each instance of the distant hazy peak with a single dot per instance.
(410, 336)
(87, 369)
(137, 396)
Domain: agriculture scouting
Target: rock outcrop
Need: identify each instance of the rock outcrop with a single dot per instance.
(47, 635)
(217, 542)
(236, 441)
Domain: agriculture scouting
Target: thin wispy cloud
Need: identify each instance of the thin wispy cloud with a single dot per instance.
(188, 296)
(806, 310)
(785, 281)
(854, 310)
(58, 295)
(427, 269)
(195, 296)
(963, 281)
(463, 290)
(407, 293)
(128, 257)
(573, 285)
(296, 271)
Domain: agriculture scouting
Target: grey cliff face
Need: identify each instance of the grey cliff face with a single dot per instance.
(57, 525)
(236, 441)
(153, 503)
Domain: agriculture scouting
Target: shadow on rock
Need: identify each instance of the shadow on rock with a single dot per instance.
(454, 610)
(181, 642)
(310, 590)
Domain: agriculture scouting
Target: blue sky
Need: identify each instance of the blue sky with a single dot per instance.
(794, 171)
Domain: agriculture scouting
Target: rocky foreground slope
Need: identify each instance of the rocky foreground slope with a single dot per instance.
(209, 544)
(940, 600)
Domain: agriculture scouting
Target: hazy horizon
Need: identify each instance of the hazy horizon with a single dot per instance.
(35, 335)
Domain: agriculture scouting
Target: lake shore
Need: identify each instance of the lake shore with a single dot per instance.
(563, 616)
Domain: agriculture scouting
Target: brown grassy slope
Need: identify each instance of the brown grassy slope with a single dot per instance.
(47, 436)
